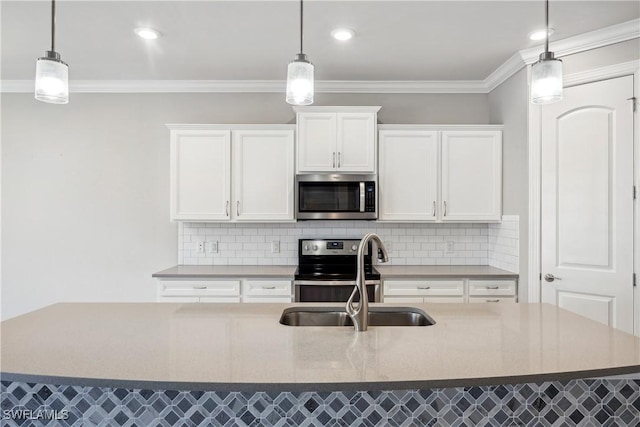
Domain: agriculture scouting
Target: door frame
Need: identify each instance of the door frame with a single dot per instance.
(535, 175)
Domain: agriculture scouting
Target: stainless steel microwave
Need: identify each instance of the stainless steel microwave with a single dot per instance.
(336, 196)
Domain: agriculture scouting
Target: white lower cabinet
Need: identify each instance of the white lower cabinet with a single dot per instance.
(225, 290)
(266, 291)
(419, 291)
(493, 291)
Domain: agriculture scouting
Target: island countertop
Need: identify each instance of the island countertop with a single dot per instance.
(243, 347)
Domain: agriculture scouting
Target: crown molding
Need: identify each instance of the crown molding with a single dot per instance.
(594, 39)
(239, 86)
(608, 72)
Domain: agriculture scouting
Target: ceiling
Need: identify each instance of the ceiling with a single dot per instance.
(255, 40)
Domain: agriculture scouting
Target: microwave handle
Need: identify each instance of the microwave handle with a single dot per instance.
(362, 197)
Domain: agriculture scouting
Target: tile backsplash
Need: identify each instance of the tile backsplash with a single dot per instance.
(408, 244)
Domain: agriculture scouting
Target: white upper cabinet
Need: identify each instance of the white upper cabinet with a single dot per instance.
(200, 174)
(263, 178)
(440, 173)
(471, 175)
(203, 188)
(336, 139)
(408, 179)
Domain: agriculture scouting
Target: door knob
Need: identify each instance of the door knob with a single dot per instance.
(550, 277)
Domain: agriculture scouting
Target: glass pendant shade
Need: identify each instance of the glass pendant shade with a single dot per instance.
(546, 80)
(52, 79)
(300, 81)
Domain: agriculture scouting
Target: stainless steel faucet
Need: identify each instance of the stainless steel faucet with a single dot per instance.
(359, 312)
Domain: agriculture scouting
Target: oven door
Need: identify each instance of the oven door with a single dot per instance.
(332, 291)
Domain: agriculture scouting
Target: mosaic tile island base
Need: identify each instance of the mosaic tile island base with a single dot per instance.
(229, 364)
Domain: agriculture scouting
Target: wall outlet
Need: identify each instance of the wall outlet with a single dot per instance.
(200, 247)
(275, 246)
(213, 247)
(449, 249)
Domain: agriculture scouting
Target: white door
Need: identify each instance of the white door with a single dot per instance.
(587, 204)
(356, 142)
(263, 175)
(408, 175)
(200, 175)
(317, 142)
(471, 175)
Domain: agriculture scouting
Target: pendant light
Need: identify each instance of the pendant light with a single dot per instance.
(546, 73)
(300, 76)
(52, 75)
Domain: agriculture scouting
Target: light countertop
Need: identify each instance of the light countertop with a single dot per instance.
(243, 347)
(407, 271)
(212, 271)
(392, 271)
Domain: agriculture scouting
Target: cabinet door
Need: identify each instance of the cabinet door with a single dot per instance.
(471, 175)
(200, 175)
(263, 178)
(316, 142)
(356, 142)
(408, 175)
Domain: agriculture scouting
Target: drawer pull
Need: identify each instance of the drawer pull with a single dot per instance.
(493, 300)
(268, 287)
(424, 287)
(199, 287)
(492, 287)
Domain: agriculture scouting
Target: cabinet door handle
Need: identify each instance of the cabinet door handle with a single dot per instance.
(227, 208)
(238, 208)
(492, 287)
(493, 300)
(199, 287)
(268, 287)
(445, 208)
(424, 287)
(338, 159)
(333, 164)
(434, 208)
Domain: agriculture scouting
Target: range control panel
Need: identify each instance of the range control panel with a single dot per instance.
(329, 247)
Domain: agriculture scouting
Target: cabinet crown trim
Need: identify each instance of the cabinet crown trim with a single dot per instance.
(231, 127)
(433, 127)
(338, 109)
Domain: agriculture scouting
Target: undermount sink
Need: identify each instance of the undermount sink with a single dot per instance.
(336, 316)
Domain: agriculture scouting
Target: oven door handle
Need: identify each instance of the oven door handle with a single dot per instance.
(332, 282)
(361, 196)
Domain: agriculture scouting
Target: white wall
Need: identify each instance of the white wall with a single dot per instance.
(508, 105)
(85, 186)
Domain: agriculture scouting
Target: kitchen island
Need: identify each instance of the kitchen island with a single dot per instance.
(472, 352)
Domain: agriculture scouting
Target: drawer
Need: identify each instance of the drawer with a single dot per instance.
(503, 300)
(492, 287)
(200, 288)
(423, 287)
(260, 288)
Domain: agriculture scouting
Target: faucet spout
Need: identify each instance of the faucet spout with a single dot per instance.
(359, 312)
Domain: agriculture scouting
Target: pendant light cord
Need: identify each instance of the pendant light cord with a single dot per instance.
(53, 25)
(546, 14)
(301, 28)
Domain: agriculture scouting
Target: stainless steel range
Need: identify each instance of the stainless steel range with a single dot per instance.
(327, 271)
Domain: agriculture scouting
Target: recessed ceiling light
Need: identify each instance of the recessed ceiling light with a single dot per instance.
(539, 34)
(342, 34)
(147, 33)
